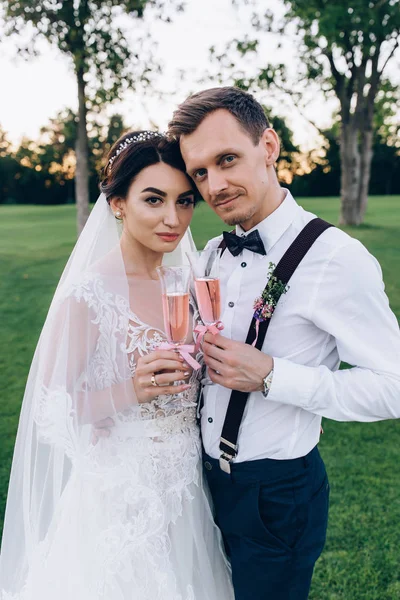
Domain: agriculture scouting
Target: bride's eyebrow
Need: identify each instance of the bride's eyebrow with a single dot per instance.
(185, 194)
(155, 191)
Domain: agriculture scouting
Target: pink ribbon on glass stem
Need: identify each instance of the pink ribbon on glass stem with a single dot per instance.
(203, 329)
(184, 350)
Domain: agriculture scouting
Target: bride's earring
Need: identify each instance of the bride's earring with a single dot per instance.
(118, 215)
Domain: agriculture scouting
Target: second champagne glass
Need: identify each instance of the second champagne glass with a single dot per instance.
(205, 266)
(175, 299)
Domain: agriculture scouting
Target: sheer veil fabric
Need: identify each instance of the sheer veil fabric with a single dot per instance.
(106, 519)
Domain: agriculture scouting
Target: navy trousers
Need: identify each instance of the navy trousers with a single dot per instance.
(273, 515)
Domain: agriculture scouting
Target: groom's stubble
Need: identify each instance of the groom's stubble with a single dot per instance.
(237, 219)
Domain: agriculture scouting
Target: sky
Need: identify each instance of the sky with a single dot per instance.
(34, 91)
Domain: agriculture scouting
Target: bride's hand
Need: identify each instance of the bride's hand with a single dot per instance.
(167, 367)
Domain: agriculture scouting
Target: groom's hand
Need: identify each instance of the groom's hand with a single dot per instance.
(235, 365)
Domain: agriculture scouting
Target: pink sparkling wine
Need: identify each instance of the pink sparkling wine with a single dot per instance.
(176, 316)
(209, 299)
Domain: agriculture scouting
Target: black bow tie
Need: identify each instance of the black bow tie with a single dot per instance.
(235, 244)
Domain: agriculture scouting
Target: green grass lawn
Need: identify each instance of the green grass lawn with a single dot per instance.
(361, 560)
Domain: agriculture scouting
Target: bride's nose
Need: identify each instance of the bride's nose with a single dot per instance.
(171, 216)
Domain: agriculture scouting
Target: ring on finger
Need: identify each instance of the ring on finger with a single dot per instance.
(153, 380)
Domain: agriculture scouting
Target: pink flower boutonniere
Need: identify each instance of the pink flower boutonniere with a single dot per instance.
(265, 304)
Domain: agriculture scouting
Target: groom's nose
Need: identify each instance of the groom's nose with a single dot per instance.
(216, 182)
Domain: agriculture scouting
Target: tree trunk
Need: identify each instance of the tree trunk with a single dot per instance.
(365, 169)
(350, 175)
(82, 158)
(355, 157)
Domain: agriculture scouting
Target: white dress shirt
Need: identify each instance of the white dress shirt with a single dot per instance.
(335, 310)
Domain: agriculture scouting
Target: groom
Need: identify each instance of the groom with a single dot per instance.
(261, 419)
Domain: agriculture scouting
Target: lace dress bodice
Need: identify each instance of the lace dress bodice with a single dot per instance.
(170, 411)
(120, 332)
(143, 338)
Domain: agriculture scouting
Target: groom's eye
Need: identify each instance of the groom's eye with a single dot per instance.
(199, 174)
(228, 159)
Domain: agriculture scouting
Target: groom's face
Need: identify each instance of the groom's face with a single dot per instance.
(231, 173)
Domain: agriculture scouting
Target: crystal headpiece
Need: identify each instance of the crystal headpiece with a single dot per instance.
(143, 136)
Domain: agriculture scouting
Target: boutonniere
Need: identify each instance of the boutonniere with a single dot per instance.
(265, 304)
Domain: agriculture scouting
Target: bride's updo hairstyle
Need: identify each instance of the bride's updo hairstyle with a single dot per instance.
(132, 153)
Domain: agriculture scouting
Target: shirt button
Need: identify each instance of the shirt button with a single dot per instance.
(210, 419)
(244, 264)
(208, 465)
(231, 304)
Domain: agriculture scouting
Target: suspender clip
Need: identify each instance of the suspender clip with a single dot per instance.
(228, 454)
(225, 463)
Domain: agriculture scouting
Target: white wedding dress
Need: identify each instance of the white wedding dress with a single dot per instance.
(133, 521)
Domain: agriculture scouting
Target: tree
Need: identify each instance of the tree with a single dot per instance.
(8, 168)
(56, 144)
(321, 173)
(89, 32)
(386, 142)
(42, 171)
(345, 47)
(288, 161)
(324, 175)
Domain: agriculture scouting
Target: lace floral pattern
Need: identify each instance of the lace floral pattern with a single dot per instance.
(131, 486)
(55, 419)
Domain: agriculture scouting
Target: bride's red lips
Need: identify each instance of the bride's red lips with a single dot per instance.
(168, 237)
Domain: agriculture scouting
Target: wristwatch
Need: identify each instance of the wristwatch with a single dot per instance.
(267, 381)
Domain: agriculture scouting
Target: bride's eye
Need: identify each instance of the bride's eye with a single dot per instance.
(153, 201)
(189, 201)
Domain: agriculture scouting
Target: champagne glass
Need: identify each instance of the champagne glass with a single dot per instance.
(175, 300)
(205, 267)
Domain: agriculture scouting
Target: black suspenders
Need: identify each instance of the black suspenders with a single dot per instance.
(283, 271)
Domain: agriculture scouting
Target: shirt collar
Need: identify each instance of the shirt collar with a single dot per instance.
(274, 226)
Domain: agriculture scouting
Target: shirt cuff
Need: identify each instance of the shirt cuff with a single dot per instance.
(293, 383)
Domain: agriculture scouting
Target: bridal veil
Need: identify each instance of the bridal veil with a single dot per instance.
(80, 374)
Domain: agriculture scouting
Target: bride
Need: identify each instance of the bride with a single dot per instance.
(117, 513)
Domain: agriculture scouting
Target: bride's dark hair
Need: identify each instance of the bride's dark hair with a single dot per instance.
(133, 152)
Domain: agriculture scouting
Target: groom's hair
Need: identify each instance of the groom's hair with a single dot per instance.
(246, 110)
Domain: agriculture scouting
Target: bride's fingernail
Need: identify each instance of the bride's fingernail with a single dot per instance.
(186, 373)
(186, 387)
